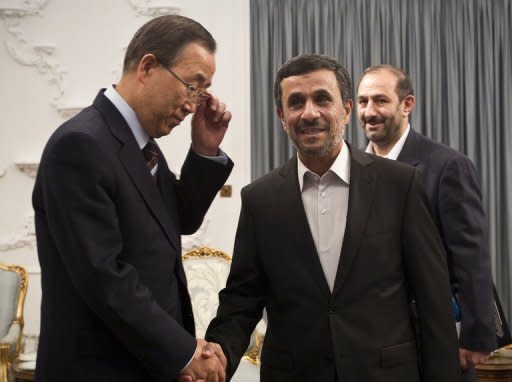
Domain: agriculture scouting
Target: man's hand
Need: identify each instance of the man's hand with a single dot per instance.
(211, 349)
(209, 125)
(207, 365)
(469, 359)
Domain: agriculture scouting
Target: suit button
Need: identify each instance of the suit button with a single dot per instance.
(329, 357)
(332, 309)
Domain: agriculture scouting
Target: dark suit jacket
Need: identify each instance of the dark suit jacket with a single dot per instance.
(115, 305)
(362, 330)
(454, 197)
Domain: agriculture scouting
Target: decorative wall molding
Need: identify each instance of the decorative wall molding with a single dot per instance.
(21, 8)
(67, 112)
(154, 8)
(24, 53)
(29, 168)
(25, 238)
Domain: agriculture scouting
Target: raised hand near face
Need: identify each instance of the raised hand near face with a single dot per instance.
(209, 124)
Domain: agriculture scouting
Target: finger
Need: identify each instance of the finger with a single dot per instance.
(213, 103)
(201, 107)
(219, 112)
(226, 117)
(207, 351)
(477, 359)
(184, 378)
(222, 373)
(212, 377)
(220, 354)
(462, 360)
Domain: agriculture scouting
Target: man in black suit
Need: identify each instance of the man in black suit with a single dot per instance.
(334, 244)
(109, 215)
(385, 100)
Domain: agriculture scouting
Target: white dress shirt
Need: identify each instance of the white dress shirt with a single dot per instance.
(397, 148)
(325, 200)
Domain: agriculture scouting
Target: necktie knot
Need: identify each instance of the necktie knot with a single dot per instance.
(150, 152)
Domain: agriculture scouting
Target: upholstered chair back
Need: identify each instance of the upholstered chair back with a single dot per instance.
(207, 271)
(13, 288)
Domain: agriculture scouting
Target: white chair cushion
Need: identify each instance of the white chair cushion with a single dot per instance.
(206, 276)
(246, 372)
(9, 292)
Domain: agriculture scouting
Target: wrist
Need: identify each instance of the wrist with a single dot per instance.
(204, 151)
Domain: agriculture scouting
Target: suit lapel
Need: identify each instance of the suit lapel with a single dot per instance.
(410, 153)
(361, 191)
(133, 161)
(290, 202)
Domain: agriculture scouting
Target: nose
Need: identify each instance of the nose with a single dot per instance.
(189, 107)
(310, 111)
(370, 110)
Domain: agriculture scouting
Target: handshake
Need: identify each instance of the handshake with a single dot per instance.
(207, 365)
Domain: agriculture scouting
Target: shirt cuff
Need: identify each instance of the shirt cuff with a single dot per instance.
(221, 158)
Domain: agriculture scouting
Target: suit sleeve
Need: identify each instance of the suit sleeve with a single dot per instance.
(78, 198)
(463, 227)
(428, 279)
(241, 302)
(199, 182)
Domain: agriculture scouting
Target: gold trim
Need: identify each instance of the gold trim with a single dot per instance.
(201, 252)
(4, 362)
(21, 299)
(253, 354)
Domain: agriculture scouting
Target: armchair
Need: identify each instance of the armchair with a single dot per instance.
(13, 289)
(207, 270)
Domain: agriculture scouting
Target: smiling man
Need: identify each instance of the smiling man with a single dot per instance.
(109, 215)
(385, 101)
(334, 244)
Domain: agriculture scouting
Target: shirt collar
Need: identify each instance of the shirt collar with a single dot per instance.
(396, 149)
(340, 167)
(129, 115)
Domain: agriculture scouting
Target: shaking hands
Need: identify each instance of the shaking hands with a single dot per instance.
(208, 364)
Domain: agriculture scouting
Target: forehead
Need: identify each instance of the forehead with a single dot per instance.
(379, 82)
(310, 82)
(195, 60)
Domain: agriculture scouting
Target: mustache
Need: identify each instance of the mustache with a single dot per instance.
(307, 125)
(372, 120)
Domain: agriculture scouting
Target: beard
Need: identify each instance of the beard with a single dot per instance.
(322, 149)
(389, 131)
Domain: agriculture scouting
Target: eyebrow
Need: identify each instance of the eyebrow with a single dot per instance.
(200, 79)
(379, 95)
(322, 92)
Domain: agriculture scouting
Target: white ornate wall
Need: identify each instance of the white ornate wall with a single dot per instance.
(54, 57)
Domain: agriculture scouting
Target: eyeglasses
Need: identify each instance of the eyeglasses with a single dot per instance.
(195, 95)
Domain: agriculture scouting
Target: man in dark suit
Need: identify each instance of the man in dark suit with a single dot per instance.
(334, 244)
(109, 215)
(385, 100)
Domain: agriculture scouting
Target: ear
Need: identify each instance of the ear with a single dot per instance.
(281, 117)
(347, 106)
(408, 105)
(146, 65)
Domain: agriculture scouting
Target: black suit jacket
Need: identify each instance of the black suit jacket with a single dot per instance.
(362, 330)
(454, 197)
(115, 306)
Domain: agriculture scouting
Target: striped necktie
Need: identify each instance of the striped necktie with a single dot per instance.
(150, 152)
